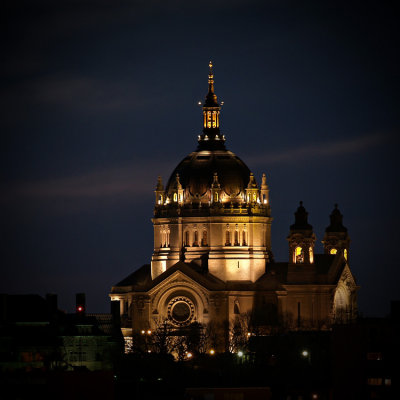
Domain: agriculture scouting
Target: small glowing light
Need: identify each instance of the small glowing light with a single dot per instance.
(333, 251)
(212, 352)
(189, 355)
(80, 308)
(304, 353)
(240, 353)
(142, 332)
(199, 103)
(149, 332)
(248, 334)
(315, 396)
(149, 351)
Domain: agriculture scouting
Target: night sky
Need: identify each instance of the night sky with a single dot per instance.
(98, 98)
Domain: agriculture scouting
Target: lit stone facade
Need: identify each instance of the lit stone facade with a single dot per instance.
(212, 259)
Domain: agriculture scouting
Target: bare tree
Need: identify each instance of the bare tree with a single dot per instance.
(162, 337)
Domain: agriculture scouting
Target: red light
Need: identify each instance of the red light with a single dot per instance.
(80, 309)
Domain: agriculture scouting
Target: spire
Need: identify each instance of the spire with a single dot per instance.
(211, 98)
(211, 139)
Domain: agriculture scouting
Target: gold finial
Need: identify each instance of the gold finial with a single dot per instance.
(210, 64)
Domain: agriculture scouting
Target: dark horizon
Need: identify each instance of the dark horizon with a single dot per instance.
(97, 101)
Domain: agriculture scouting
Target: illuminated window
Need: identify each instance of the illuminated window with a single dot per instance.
(227, 238)
(311, 254)
(215, 196)
(175, 197)
(196, 238)
(159, 199)
(254, 196)
(204, 239)
(333, 251)
(374, 381)
(345, 253)
(299, 255)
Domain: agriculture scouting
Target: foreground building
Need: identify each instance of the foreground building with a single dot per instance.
(36, 336)
(212, 259)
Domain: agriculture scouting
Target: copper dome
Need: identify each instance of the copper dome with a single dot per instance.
(196, 172)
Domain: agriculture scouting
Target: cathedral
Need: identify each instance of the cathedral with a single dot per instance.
(212, 259)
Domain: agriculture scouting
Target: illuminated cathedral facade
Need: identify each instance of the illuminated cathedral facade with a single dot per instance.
(212, 259)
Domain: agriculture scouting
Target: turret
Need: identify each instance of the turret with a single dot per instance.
(264, 192)
(159, 192)
(215, 190)
(177, 195)
(252, 190)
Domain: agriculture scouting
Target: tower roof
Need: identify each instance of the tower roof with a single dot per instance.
(336, 224)
(301, 219)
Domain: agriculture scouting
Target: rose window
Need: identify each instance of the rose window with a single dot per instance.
(181, 311)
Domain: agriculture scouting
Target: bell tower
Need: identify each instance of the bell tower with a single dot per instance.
(301, 239)
(336, 239)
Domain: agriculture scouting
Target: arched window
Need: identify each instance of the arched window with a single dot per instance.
(227, 238)
(187, 238)
(236, 307)
(345, 253)
(244, 242)
(160, 199)
(264, 198)
(299, 255)
(175, 197)
(215, 196)
(196, 238)
(333, 251)
(204, 239)
(311, 254)
(237, 238)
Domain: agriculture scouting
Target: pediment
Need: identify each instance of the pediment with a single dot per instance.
(177, 278)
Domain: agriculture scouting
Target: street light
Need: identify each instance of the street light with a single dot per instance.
(240, 353)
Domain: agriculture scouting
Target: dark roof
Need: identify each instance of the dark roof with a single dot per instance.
(325, 270)
(104, 322)
(141, 277)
